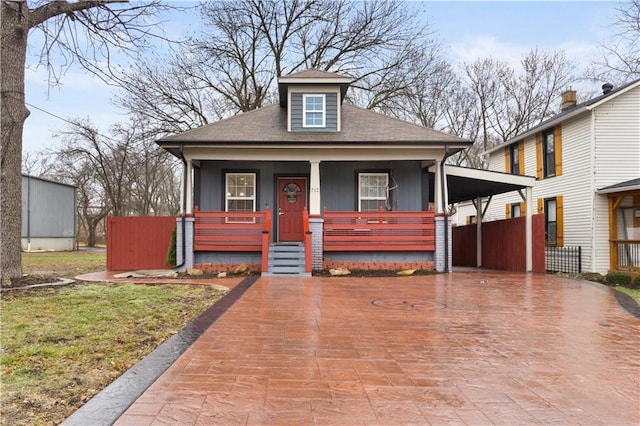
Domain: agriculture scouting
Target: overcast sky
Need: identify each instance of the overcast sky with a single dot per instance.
(502, 29)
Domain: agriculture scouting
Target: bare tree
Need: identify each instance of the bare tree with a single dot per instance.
(509, 101)
(81, 32)
(92, 204)
(620, 60)
(119, 174)
(233, 66)
(106, 156)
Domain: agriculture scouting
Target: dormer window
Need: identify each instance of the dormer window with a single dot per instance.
(314, 110)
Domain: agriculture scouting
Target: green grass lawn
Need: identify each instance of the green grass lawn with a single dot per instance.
(60, 346)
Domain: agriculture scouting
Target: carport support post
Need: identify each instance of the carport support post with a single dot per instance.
(478, 232)
(528, 231)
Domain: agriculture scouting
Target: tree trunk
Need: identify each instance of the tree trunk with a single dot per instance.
(14, 29)
(92, 224)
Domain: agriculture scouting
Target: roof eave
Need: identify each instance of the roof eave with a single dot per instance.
(537, 129)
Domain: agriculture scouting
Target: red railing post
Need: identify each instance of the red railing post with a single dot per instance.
(266, 233)
(307, 240)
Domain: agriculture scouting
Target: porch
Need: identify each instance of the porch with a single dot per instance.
(223, 240)
(624, 226)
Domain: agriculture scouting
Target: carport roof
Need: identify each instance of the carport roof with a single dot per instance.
(466, 184)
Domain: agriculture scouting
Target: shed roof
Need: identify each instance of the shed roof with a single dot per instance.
(629, 185)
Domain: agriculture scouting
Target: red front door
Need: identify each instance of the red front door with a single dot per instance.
(292, 199)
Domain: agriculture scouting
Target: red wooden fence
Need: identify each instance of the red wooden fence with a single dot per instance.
(384, 231)
(138, 242)
(503, 244)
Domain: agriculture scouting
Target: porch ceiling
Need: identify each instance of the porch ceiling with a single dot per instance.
(466, 184)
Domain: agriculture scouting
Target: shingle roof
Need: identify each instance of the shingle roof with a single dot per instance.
(621, 186)
(268, 125)
(314, 73)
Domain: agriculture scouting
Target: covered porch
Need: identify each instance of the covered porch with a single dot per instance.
(401, 232)
(624, 225)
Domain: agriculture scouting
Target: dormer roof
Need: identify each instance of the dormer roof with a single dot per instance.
(312, 76)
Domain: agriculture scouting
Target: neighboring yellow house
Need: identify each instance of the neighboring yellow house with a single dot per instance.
(587, 163)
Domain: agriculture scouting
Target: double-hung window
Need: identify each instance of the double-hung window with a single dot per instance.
(372, 191)
(516, 210)
(240, 192)
(551, 221)
(313, 110)
(549, 154)
(514, 159)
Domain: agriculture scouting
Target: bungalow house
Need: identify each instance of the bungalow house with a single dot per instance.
(313, 182)
(587, 163)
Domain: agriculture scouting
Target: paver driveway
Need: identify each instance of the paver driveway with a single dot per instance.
(463, 348)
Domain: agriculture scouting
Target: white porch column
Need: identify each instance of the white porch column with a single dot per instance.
(189, 178)
(528, 231)
(188, 188)
(437, 186)
(314, 189)
(316, 222)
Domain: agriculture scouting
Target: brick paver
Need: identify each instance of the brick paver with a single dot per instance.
(463, 348)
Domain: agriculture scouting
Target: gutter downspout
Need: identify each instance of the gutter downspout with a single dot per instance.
(447, 154)
(184, 208)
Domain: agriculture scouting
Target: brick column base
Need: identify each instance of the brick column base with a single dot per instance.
(440, 249)
(316, 226)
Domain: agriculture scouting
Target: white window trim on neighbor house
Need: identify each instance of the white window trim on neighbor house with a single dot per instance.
(362, 197)
(307, 113)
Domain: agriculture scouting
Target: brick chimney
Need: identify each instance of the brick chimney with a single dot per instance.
(568, 99)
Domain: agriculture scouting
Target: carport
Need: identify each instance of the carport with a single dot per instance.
(466, 184)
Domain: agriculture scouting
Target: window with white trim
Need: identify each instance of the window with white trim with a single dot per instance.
(240, 192)
(313, 110)
(372, 191)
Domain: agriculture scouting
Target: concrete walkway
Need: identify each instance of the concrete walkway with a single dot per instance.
(464, 348)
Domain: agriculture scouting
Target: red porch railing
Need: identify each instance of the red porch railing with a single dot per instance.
(379, 231)
(231, 231)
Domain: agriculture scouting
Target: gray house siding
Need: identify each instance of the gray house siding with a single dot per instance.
(211, 180)
(338, 181)
(331, 118)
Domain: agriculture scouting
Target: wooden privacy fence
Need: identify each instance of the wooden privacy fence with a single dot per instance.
(138, 242)
(503, 244)
(231, 231)
(379, 231)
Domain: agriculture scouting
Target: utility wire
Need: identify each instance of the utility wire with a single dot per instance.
(66, 120)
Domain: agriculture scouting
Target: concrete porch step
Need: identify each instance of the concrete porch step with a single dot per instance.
(286, 259)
